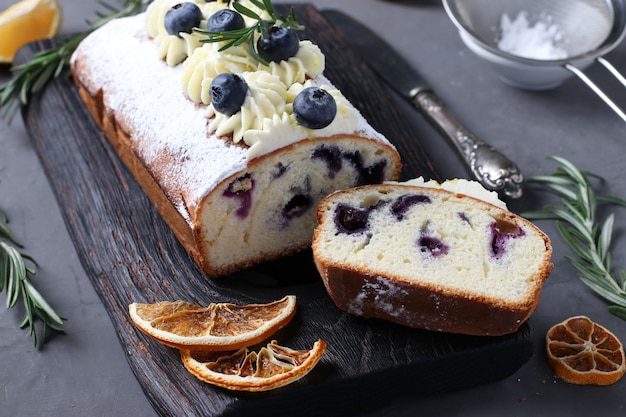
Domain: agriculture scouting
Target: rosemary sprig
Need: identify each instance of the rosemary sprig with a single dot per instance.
(262, 26)
(16, 268)
(50, 63)
(577, 223)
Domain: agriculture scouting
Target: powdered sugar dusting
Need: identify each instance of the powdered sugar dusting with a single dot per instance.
(536, 41)
(383, 294)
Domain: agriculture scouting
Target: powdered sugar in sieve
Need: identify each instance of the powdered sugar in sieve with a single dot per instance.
(535, 41)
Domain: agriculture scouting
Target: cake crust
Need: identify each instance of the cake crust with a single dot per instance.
(424, 306)
(121, 142)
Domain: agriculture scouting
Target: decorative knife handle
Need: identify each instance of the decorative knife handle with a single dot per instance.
(491, 168)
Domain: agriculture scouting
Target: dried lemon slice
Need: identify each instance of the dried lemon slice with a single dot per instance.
(272, 367)
(583, 352)
(220, 326)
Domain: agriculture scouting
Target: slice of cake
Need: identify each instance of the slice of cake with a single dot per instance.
(431, 258)
(234, 149)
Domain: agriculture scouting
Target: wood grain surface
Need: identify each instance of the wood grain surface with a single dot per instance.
(129, 254)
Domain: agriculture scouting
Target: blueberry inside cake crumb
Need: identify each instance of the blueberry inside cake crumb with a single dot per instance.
(297, 206)
(281, 169)
(432, 246)
(351, 219)
(501, 233)
(373, 174)
(333, 156)
(241, 189)
(463, 217)
(405, 202)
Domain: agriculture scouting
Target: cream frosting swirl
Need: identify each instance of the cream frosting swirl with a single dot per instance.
(265, 121)
(266, 97)
(283, 129)
(307, 63)
(175, 49)
(208, 62)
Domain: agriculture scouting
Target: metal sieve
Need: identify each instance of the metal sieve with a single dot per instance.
(587, 29)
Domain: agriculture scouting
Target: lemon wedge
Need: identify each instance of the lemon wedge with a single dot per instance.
(28, 21)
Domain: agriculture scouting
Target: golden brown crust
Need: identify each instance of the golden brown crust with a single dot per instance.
(121, 143)
(428, 308)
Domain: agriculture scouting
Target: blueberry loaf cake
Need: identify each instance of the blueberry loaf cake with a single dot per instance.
(234, 145)
(432, 258)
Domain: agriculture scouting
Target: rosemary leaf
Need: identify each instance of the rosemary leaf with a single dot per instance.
(107, 6)
(606, 235)
(247, 12)
(618, 311)
(239, 36)
(589, 239)
(268, 6)
(6, 233)
(16, 273)
(605, 291)
(42, 79)
(4, 272)
(41, 303)
(611, 199)
(16, 269)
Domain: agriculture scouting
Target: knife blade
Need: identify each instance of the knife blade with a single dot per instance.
(487, 165)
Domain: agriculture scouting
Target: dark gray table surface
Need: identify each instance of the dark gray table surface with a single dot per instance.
(85, 372)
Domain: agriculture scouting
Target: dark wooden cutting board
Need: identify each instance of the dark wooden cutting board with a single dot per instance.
(129, 254)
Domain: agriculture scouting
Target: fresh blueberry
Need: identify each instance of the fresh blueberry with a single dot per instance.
(279, 45)
(314, 108)
(182, 17)
(224, 21)
(228, 92)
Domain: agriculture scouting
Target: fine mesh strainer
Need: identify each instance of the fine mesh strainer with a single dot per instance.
(587, 29)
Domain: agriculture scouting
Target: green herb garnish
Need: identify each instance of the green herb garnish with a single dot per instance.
(577, 223)
(262, 26)
(16, 268)
(50, 63)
